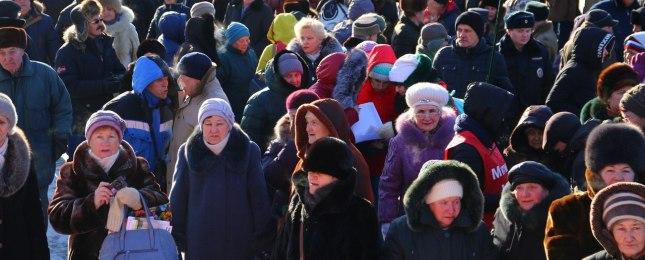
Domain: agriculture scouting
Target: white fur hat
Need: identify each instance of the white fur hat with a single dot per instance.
(426, 93)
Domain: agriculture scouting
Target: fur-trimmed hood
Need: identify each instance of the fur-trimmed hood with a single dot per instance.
(15, 171)
(350, 78)
(275, 82)
(535, 218)
(124, 22)
(600, 231)
(420, 218)
(200, 158)
(330, 113)
(412, 135)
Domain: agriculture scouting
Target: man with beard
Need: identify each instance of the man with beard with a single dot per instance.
(88, 65)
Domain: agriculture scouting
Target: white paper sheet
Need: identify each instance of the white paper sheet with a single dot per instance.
(368, 124)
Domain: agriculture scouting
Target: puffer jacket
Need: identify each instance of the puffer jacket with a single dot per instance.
(417, 235)
(458, 67)
(575, 84)
(405, 36)
(236, 73)
(518, 234)
(72, 210)
(126, 40)
(44, 41)
(266, 106)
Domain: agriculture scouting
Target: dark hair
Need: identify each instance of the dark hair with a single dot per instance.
(410, 7)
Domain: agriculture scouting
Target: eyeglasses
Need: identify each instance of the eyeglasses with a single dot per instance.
(96, 21)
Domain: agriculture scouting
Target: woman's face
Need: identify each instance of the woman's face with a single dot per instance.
(619, 172)
(242, 44)
(315, 128)
(378, 85)
(108, 14)
(426, 117)
(529, 195)
(614, 100)
(104, 142)
(318, 180)
(534, 137)
(445, 211)
(309, 41)
(4, 129)
(629, 235)
(215, 128)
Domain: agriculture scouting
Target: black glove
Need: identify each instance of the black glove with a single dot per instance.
(60, 145)
(112, 84)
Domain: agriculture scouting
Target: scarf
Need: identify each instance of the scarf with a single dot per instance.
(219, 147)
(105, 163)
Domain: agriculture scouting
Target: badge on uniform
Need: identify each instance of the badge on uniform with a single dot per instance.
(540, 73)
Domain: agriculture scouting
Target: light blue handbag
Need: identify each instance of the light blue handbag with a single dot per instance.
(140, 244)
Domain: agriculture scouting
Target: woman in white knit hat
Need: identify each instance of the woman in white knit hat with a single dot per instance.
(424, 131)
(443, 217)
(219, 197)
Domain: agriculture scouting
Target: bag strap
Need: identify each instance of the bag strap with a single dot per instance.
(151, 232)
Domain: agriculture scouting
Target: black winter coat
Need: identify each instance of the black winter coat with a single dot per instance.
(22, 231)
(405, 37)
(44, 41)
(575, 84)
(92, 74)
(529, 70)
(266, 106)
(417, 235)
(459, 67)
(257, 17)
(143, 10)
(519, 234)
(153, 29)
(340, 226)
(64, 20)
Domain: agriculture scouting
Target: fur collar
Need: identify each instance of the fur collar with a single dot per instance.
(127, 16)
(15, 171)
(598, 228)
(84, 164)
(336, 201)
(535, 218)
(412, 135)
(201, 159)
(420, 218)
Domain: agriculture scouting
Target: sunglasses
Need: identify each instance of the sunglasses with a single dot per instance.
(96, 21)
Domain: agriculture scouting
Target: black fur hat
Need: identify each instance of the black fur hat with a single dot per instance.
(13, 37)
(331, 156)
(612, 143)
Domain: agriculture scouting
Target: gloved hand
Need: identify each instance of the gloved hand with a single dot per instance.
(112, 84)
(384, 228)
(126, 196)
(386, 131)
(129, 197)
(59, 145)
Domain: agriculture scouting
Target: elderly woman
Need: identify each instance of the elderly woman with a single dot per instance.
(519, 221)
(614, 153)
(443, 217)
(617, 221)
(313, 43)
(84, 189)
(219, 197)
(237, 67)
(118, 19)
(23, 231)
(612, 84)
(424, 131)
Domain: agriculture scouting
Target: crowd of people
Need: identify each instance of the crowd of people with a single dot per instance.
(497, 129)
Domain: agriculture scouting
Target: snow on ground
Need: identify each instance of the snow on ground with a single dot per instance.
(57, 242)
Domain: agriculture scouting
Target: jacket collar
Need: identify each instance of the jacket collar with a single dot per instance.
(201, 159)
(336, 201)
(83, 164)
(15, 171)
(412, 135)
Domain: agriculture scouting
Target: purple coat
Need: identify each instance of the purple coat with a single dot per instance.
(408, 151)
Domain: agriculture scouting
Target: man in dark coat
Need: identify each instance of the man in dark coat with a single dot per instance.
(168, 5)
(468, 58)
(474, 141)
(325, 219)
(40, 28)
(529, 67)
(407, 30)
(621, 11)
(42, 103)
(256, 15)
(88, 65)
(575, 84)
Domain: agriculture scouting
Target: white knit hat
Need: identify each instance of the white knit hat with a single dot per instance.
(425, 93)
(403, 68)
(444, 189)
(202, 8)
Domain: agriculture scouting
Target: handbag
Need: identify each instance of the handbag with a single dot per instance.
(140, 244)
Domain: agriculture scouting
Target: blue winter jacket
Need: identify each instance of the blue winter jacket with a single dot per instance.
(44, 40)
(236, 75)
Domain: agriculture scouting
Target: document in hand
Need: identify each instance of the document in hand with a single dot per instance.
(368, 123)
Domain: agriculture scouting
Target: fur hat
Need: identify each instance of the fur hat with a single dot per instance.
(9, 15)
(613, 143)
(473, 20)
(8, 110)
(331, 156)
(13, 37)
(559, 128)
(111, 4)
(151, 46)
(634, 100)
(539, 10)
(426, 94)
(81, 16)
(615, 77)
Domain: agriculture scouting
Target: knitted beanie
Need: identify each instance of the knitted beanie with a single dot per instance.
(539, 10)
(299, 98)
(635, 41)
(445, 188)
(634, 100)
(365, 26)
(104, 118)
(473, 20)
(216, 107)
(194, 65)
(623, 205)
(366, 46)
(425, 93)
(202, 8)
(289, 62)
(151, 46)
(381, 71)
(433, 31)
(8, 110)
(235, 31)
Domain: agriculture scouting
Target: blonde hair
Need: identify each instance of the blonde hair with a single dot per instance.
(310, 23)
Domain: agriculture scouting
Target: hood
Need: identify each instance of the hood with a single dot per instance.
(381, 53)
(489, 112)
(439, 139)
(420, 218)
(278, 84)
(560, 127)
(122, 24)
(330, 113)
(336, 201)
(327, 70)
(171, 25)
(16, 168)
(535, 218)
(350, 78)
(146, 70)
(534, 116)
(600, 231)
(588, 46)
(282, 28)
(200, 32)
